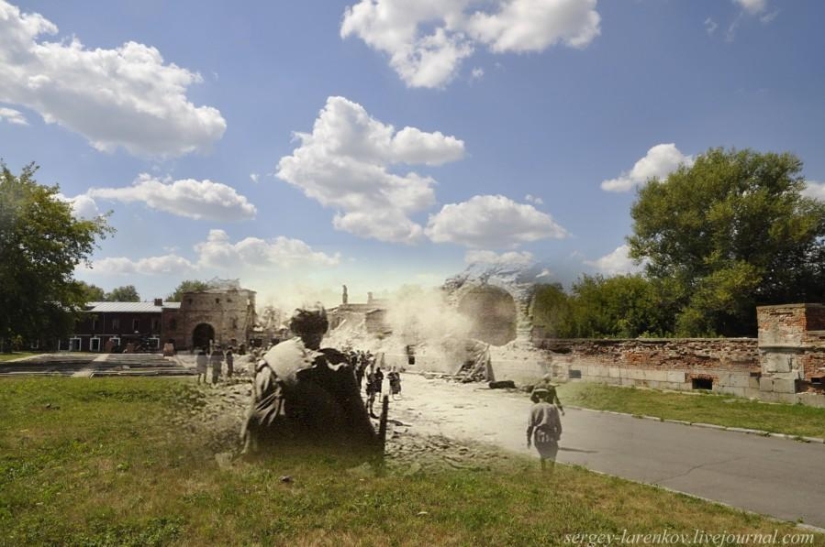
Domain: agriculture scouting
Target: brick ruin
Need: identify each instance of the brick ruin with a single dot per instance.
(222, 315)
(786, 363)
(792, 349)
(498, 307)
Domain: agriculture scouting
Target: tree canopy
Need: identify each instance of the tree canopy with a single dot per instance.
(727, 234)
(623, 306)
(126, 293)
(189, 285)
(41, 243)
(92, 293)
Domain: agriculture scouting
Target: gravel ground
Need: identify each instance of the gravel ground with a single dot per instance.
(216, 414)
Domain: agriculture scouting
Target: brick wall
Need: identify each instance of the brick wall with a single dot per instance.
(727, 365)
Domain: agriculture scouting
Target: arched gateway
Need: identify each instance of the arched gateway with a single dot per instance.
(493, 313)
(201, 336)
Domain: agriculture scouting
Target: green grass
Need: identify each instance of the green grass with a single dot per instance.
(14, 355)
(96, 462)
(708, 408)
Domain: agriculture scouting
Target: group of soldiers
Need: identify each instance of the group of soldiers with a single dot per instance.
(306, 395)
(216, 359)
(368, 365)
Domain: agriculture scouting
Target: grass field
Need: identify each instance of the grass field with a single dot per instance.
(708, 408)
(96, 462)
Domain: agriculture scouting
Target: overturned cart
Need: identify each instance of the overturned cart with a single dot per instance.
(304, 398)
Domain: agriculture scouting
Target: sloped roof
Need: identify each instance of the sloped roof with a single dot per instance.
(128, 307)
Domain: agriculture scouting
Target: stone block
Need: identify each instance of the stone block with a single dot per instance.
(766, 384)
(676, 377)
(784, 385)
(614, 372)
(656, 375)
(778, 362)
(739, 380)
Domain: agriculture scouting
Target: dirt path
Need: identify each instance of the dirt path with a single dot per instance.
(465, 412)
(433, 424)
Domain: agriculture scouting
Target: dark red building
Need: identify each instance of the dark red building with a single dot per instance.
(108, 326)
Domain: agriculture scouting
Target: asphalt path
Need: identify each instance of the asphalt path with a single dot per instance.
(777, 477)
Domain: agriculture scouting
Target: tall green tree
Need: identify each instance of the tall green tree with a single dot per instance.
(729, 233)
(189, 285)
(550, 309)
(41, 243)
(622, 306)
(92, 293)
(126, 293)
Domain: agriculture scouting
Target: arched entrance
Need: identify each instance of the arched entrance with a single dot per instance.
(493, 314)
(201, 336)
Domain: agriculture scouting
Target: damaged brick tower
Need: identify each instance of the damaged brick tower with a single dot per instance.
(222, 314)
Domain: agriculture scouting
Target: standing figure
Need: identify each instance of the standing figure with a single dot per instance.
(344, 296)
(360, 367)
(545, 384)
(371, 387)
(230, 363)
(307, 395)
(395, 382)
(217, 361)
(379, 380)
(201, 362)
(544, 428)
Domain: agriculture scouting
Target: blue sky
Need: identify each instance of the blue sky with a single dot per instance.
(300, 146)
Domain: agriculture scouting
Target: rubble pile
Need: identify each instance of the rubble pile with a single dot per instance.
(215, 415)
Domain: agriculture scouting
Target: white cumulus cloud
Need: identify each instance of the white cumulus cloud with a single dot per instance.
(659, 162)
(753, 7)
(13, 116)
(83, 206)
(219, 254)
(124, 97)
(512, 258)
(616, 263)
(188, 198)
(344, 165)
(535, 25)
(533, 199)
(218, 251)
(814, 190)
(157, 265)
(491, 222)
(426, 41)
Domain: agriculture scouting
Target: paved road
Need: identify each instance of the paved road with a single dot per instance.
(777, 477)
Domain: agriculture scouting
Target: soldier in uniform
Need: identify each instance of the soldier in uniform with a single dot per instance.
(546, 385)
(305, 395)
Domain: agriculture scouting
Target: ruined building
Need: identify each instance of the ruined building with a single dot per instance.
(222, 314)
(497, 302)
(372, 315)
